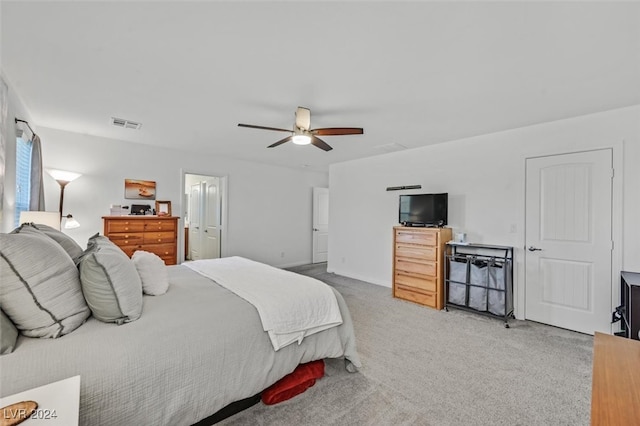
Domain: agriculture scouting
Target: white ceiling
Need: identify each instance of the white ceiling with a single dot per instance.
(411, 73)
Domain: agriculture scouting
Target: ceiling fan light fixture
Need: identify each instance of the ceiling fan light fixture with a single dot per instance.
(301, 140)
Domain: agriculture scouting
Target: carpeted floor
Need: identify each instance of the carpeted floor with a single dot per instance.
(428, 367)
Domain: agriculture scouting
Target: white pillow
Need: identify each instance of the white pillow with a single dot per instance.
(152, 271)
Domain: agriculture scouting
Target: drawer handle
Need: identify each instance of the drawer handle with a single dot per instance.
(159, 240)
(126, 242)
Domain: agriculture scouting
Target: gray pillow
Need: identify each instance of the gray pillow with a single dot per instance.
(68, 244)
(110, 282)
(8, 336)
(40, 289)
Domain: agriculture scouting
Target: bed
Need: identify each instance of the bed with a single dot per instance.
(194, 350)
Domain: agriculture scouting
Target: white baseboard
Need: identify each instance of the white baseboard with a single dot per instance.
(291, 265)
(360, 277)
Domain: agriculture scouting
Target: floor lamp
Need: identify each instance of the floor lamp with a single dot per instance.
(63, 178)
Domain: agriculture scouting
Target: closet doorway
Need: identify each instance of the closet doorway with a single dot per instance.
(204, 197)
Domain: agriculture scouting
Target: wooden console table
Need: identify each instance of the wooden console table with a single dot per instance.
(615, 389)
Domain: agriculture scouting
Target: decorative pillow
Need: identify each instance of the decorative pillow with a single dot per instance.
(152, 271)
(110, 282)
(68, 244)
(8, 336)
(40, 289)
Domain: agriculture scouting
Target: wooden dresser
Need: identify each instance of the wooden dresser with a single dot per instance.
(418, 264)
(615, 386)
(155, 234)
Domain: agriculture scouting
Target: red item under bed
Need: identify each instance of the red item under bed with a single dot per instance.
(301, 379)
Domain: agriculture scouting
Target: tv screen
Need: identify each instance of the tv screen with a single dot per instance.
(423, 209)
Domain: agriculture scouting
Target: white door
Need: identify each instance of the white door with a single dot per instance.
(320, 224)
(194, 222)
(568, 240)
(211, 220)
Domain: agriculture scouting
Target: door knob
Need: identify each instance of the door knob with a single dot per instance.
(532, 248)
(315, 229)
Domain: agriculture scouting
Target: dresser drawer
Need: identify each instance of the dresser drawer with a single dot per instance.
(162, 250)
(159, 237)
(422, 283)
(124, 226)
(416, 266)
(130, 249)
(428, 299)
(160, 225)
(416, 237)
(126, 239)
(415, 251)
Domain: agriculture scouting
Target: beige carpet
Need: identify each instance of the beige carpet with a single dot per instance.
(428, 367)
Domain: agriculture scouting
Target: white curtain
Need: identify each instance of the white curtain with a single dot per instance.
(36, 198)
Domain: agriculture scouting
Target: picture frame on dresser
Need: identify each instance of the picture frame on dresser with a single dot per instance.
(163, 208)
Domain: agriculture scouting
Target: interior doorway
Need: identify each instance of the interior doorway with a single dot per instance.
(320, 235)
(569, 241)
(204, 199)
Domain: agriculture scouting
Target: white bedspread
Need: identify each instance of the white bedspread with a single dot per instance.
(291, 306)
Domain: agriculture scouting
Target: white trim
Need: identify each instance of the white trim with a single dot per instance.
(617, 230)
(360, 278)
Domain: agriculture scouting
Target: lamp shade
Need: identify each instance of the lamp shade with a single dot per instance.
(63, 175)
(70, 222)
(51, 219)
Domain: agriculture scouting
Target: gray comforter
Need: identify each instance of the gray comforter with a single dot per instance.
(194, 350)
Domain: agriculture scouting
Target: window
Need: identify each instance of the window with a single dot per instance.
(23, 177)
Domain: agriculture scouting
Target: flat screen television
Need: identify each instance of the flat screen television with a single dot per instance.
(423, 209)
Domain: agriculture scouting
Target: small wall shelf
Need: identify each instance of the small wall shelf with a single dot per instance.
(479, 278)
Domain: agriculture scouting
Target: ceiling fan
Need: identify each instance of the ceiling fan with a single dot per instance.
(302, 134)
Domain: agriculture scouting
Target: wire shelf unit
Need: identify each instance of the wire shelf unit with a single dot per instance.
(479, 278)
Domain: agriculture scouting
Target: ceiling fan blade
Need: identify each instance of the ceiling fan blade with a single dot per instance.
(335, 131)
(251, 126)
(281, 141)
(320, 143)
(303, 118)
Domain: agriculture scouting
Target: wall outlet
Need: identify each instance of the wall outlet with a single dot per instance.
(282, 254)
(513, 228)
(343, 260)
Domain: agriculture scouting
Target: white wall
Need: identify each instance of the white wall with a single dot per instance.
(484, 177)
(269, 207)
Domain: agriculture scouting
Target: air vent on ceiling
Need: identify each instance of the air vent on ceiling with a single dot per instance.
(125, 124)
